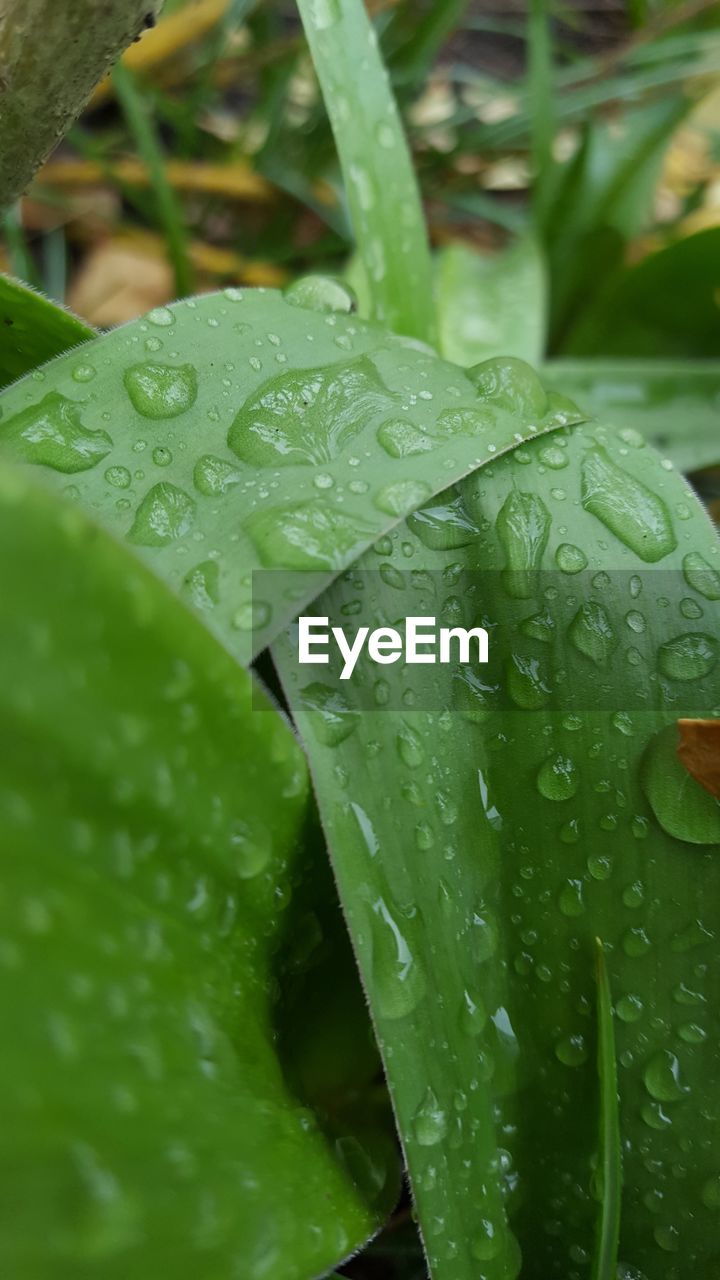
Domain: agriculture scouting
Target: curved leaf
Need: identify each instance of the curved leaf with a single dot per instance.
(152, 806)
(33, 330)
(673, 404)
(244, 431)
(495, 820)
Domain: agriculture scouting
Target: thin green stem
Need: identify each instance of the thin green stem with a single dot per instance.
(610, 1154)
(150, 151)
(382, 191)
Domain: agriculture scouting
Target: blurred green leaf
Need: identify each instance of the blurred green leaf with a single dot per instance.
(602, 198)
(153, 805)
(675, 404)
(666, 306)
(491, 305)
(33, 330)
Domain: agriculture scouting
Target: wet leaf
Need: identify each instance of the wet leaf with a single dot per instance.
(33, 330)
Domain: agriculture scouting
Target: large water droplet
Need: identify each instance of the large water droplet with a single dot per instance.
(310, 535)
(402, 439)
(430, 1121)
(662, 1077)
(165, 513)
(701, 576)
(161, 390)
(688, 657)
(512, 384)
(321, 293)
(523, 526)
(309, 416)
(401, 497)
(444, 526)
(213, 476)
(636, 515)
(558, 778)
(201, 585)
(51, 434)
(399, 979)
(570, 559)
(527, 683)
(591, 632)
(329, 713)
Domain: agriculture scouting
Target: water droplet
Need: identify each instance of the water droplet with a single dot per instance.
(591, 632)
(399, 979)
(572, 1051)
(473, 1014)
(554, 457)
(161, 456)
(330, 715)
(570, 900)
(401, 497)
(160, 316)
(402, 439)
(444, 526)
(307, 535)
(410, 747)
(688, 657)
(487, 1241)
(512, 384)
(309, 416)
(523, 526)
(629, 1008)
(51, 434)
(558, 778)
(118, 477)
(636, 515)
(201, 585)
(161, 390)
(165, 513)
(430, 1121)
(321, 293)
(527, 683)
(635, 942)
(711, 1193)
(570, 559)
(251, 848)
(251, 616)
(701, 576)
(83, 373)
(213, 476)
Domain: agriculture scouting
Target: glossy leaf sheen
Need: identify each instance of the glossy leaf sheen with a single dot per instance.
(482, 846)
(150, 817)
(238, 432)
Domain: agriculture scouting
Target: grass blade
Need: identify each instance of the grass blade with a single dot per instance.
(150, 151)
(540, 92)
(382, 190)
(610, 1151)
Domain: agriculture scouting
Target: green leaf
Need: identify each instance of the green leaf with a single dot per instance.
(665, 306)
(34, 330)
(244, 431)
(152, 808)
(491, 305)
(382, 189)
(603, 198)
(494, 820)
(673, 404)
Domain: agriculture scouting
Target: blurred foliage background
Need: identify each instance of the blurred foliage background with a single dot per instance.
(577, 144)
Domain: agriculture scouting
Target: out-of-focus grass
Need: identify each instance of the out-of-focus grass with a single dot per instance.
(216, 153)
